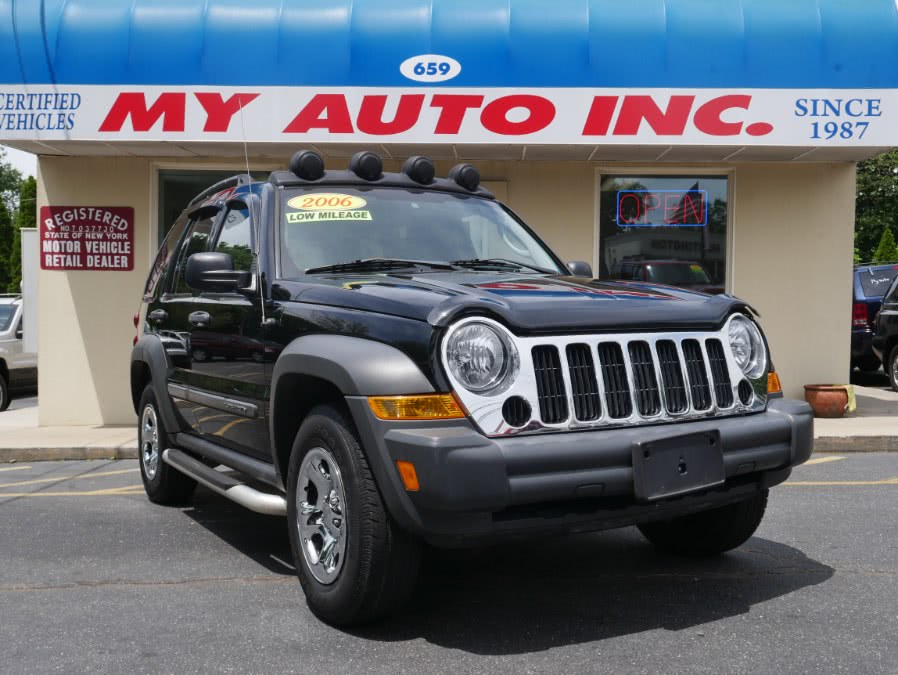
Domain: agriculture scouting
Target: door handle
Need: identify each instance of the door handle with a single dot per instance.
(157, 316)
(199, 319)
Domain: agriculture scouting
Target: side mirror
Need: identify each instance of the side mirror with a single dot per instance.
(19, 334)
(214, 272)
(580, 268)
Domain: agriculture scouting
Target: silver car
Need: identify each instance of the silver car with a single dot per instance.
(18, 368)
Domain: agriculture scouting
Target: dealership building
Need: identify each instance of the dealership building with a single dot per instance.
(722, 134)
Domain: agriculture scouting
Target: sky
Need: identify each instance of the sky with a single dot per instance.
(23, 161)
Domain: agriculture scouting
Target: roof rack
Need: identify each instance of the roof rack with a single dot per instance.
(232, 182)
(876, 264)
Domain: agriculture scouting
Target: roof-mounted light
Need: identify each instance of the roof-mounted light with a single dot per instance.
(366, 165)
(307, 165)
(419, 169)
(466, 176)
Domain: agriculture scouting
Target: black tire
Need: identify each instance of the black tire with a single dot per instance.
(708, 533)
(200, 355)
(891, 368)
(5, 398)
(380, 563)
(163, 483)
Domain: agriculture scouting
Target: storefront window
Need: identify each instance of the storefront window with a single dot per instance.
(664, 229)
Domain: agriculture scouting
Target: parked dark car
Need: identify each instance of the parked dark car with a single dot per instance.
(868, 288)
(884, 342)
(442, 377)
(680, 273)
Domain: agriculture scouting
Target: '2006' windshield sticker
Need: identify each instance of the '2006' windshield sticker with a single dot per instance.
(326, 206)
(325, 201)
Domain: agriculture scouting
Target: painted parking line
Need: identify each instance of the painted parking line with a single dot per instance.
(60, 479)
(827, 483)
(108, 492)
(823, 460)
(14, 468)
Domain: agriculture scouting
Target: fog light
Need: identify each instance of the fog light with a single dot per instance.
(424, 407)
(409, 475)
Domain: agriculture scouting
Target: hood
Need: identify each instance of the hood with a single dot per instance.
(527, 303)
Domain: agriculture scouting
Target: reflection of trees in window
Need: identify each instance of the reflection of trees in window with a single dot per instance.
(241, 254)
(717, 216)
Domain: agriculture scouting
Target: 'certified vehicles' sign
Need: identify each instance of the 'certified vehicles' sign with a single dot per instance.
(87, 238)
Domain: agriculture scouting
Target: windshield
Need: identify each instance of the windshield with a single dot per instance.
(677, 274)
(6, 314)
(342, 224)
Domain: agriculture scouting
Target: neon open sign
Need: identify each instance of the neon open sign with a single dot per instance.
(662, 208)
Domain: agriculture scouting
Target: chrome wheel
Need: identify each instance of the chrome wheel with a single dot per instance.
(895, 371)
(200, 355)
(320, 514)
(149, 441)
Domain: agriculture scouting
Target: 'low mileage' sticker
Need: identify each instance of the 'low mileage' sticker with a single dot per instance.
(320, 201)
(326, 206)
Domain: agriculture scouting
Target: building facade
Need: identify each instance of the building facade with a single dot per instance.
(716, 140)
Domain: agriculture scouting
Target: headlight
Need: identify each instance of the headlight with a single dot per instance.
(747, 346)
(481, 358)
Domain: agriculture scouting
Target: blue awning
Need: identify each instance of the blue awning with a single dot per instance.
(499, 43)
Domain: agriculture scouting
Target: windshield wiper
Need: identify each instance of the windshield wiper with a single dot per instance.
(376, 264)
(502, 263)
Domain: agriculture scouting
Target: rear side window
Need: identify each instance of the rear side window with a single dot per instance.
(875, 283)
(163, 258)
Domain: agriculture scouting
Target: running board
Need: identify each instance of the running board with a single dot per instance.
(226, 485)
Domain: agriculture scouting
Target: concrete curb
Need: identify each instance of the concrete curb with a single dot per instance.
(856, 444)
(823, 444)
(60, 454)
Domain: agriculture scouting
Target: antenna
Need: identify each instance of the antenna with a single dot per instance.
(253, 216)
(243, 134)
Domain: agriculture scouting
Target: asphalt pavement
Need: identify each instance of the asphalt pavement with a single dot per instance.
(94, 578)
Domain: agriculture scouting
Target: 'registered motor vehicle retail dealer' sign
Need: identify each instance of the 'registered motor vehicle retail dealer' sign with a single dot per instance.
(87, 238)
(768, 117)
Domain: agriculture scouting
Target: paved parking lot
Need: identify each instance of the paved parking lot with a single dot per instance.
(95, 578)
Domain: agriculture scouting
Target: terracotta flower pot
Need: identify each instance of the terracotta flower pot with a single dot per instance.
(827, 400)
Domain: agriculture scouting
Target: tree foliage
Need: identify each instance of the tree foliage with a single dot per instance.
(877, 202)
(886, 251)
(26, 217)
(10, 180)
(7, 230)
(11, 186)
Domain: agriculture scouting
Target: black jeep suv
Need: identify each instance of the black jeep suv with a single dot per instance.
(417, 366)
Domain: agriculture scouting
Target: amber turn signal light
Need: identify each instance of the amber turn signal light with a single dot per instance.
(409, 475)
(423, 407)
(773, 383)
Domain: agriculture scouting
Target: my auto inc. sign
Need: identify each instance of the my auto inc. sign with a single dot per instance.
(453, 115)
(87, 238)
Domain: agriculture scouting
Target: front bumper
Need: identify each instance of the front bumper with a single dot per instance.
(476, 487)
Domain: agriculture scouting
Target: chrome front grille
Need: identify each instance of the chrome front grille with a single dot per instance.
(612, 380)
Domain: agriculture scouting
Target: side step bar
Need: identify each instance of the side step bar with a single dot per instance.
(225, 485)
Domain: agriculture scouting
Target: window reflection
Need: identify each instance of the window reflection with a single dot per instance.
(664, 229)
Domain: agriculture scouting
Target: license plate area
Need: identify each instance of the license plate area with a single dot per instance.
(677, 465)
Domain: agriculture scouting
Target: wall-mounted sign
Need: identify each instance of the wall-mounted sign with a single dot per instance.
(662, 208)
(87, 238)
(430, 114)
